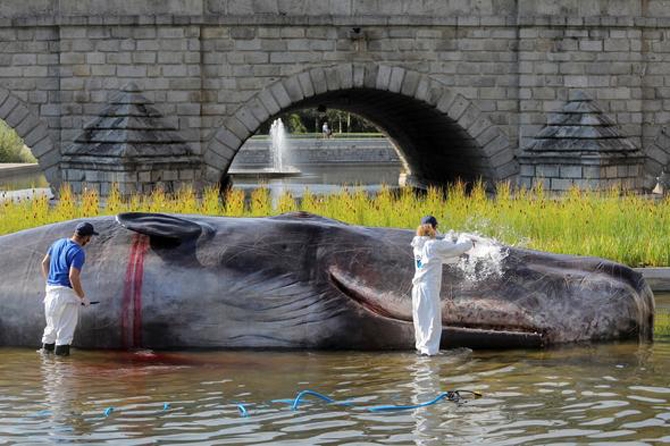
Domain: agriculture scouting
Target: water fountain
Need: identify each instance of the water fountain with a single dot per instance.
(279, 157)
(278, 145)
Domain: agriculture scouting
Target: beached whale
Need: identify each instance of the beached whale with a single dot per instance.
(301, 281)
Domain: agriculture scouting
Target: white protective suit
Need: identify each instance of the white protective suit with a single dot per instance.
(429, 255)
(61, 310)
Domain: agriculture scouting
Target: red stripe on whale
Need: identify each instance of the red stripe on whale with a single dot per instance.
(132, 294)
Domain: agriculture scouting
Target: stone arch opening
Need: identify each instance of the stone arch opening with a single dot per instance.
(657, 160)
(34, 133)
(441, 135)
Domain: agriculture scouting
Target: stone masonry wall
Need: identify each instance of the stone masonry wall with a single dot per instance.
(199, 61)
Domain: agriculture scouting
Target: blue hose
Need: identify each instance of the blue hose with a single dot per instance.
(295, 403)
(243, 410)
(284, 401)
(310, 392)
(390, 407)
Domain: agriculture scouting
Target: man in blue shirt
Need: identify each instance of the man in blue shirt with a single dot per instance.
(61, 267)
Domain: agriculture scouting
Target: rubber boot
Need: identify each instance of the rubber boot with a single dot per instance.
(63, 350)
(48, 348)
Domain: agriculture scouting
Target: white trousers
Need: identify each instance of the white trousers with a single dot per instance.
(61, 310)
(427, 318)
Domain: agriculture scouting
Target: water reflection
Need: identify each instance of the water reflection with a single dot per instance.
(425, 374)
(62, 397)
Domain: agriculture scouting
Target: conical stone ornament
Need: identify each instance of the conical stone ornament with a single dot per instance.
(130, 144)
(581, 146)
(130, 127)
(581, 128)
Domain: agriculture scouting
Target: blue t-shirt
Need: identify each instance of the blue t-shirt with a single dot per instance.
(63, 254)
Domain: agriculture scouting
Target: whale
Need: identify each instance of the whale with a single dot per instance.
(302, 281)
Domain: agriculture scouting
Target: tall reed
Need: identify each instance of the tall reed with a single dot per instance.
(623, 227)
(662, 324)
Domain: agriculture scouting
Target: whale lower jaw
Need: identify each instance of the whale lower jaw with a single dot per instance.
(452, 336)
(478, 338)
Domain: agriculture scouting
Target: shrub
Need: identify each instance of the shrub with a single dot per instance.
(12, 149)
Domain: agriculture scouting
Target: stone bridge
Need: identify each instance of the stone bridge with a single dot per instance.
(461, 87)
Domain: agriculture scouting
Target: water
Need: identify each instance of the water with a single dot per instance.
(484, 260)
(18, 182)
(24, 187)
(323, 180)
(279, 145)
(594, 394)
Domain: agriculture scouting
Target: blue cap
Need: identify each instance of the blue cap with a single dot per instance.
(84, 229)
(429, 220)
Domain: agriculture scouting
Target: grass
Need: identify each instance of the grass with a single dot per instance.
(626, 228)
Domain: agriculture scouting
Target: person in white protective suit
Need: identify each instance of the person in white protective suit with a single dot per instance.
(430, 253)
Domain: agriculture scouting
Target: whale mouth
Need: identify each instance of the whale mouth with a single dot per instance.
(362, 296)
(461, 334)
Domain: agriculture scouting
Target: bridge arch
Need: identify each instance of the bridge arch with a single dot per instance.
(441, 134)
(34, 133)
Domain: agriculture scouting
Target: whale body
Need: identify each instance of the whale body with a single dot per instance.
(300, 281)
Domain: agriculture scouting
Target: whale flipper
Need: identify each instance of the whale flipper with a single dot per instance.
(161, 225)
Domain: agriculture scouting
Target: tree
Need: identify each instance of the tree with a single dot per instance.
(310, 120)
(12, 149)
(294, 124)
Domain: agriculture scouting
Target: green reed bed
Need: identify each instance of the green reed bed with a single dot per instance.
(662, 323)
(627, 228)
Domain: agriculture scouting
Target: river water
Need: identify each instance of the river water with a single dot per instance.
(31, 181)
(326, 179)
(594, 394)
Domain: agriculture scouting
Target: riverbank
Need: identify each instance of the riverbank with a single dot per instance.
(21, 181)
(657, 278)
(9, 170)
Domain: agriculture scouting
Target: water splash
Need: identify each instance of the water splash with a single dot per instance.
(483, 261)
(278, 146)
